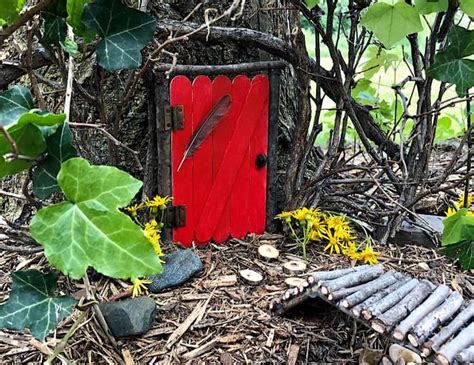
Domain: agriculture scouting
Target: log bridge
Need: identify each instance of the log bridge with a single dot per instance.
(429, 319)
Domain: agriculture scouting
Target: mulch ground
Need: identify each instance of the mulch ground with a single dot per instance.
(232, 323)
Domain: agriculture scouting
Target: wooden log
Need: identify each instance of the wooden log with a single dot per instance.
(438, 317)
(463, 340)
(369, 288)
(319, 276)
(428, 325)
(394, 315)
(377, 308)
(357, 310)
(352, 279)
(466, 356)
(434, 300)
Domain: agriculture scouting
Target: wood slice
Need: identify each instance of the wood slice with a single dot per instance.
(251, 277)
(294, 267)
(399, 354)
(268, 252)
(296, 282)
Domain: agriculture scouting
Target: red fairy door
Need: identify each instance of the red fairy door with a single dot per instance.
(223, 182)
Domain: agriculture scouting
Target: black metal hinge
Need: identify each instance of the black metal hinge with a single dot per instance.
(175, 216)
(174, 117)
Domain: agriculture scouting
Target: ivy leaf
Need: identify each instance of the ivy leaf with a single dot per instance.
(14, 103)
(9, 10)
(75, 9)
(392, 23)
(89, 230)
(468, 7)
(458, 227)
(60, 149)
(55, 28)
(452, 64)
(464, 251)
(311, 3)
(430, 6)
(124, 32)
(31, 304)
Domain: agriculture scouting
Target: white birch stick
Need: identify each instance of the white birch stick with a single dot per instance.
(464, 339)
(351, 279)
(466, 356)
(434, 300)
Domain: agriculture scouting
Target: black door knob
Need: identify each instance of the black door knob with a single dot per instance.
(261, 160)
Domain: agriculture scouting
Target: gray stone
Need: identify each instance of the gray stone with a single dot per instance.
(414, 233)
(130, 317)
(179, 267)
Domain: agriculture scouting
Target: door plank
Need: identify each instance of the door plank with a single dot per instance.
(181, 94)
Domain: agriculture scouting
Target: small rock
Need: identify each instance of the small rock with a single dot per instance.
(130, 317)
(179, 267)
(399, 353)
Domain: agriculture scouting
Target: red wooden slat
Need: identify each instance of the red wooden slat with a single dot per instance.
(227, 174)
(258, 176)
(202, 171)
(181, 94)
(239, 201)
(222, 86)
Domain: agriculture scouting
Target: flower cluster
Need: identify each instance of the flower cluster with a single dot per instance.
(334, 231)
(460, 204)
(152, 212)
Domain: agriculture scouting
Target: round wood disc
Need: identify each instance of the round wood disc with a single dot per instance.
(251, 277)
(295, 282)
(294, 267)
(268, 252)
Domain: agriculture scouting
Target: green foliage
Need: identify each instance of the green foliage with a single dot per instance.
(70, 47)
(60, 149)
(311, 3)
(392, 23)
(26, 127)
(124, 32)
(89, 230)
(458, 237)
(9, 10)
(430, 6)
(468, 7)
(378, 59)
(31, 304)
(452, 64)
(75, 9)
(14, 103)
(55, 28)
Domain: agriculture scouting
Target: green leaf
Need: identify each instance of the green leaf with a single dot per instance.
(31, 304)
(392, 23)
(464, 251)
(55, 28)
(60, 149)
(89, 230)
(459, 227)
(75, 9)
(70, 47)
(311, 3)
(431, 6)
(124, 31)
(9, 10)
(468, 7)
(452, 64)
(14, 103)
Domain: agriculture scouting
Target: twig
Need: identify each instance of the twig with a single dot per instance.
(12, 195)
(60, 347)
(70, 79)
(18, 249)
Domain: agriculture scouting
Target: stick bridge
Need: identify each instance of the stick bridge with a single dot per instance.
(427, 318)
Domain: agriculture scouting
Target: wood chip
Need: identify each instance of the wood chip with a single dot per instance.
(221, 281)
(293, 352)
(127, 357)
(294, 267)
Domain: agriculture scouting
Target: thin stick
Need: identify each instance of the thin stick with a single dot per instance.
(70, 79)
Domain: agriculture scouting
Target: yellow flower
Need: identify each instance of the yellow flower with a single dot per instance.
(315, 235)
(299, 214)
(337, 222)
(333, 242)
(152, 232)
(351, 251)
(460, 203)
(158, 202)
(368, 255)
(138, 286)
(450, 212)
(285, 215)
(346, 235)
(134, 209)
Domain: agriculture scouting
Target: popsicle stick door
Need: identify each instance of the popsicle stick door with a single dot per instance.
(219, 170)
